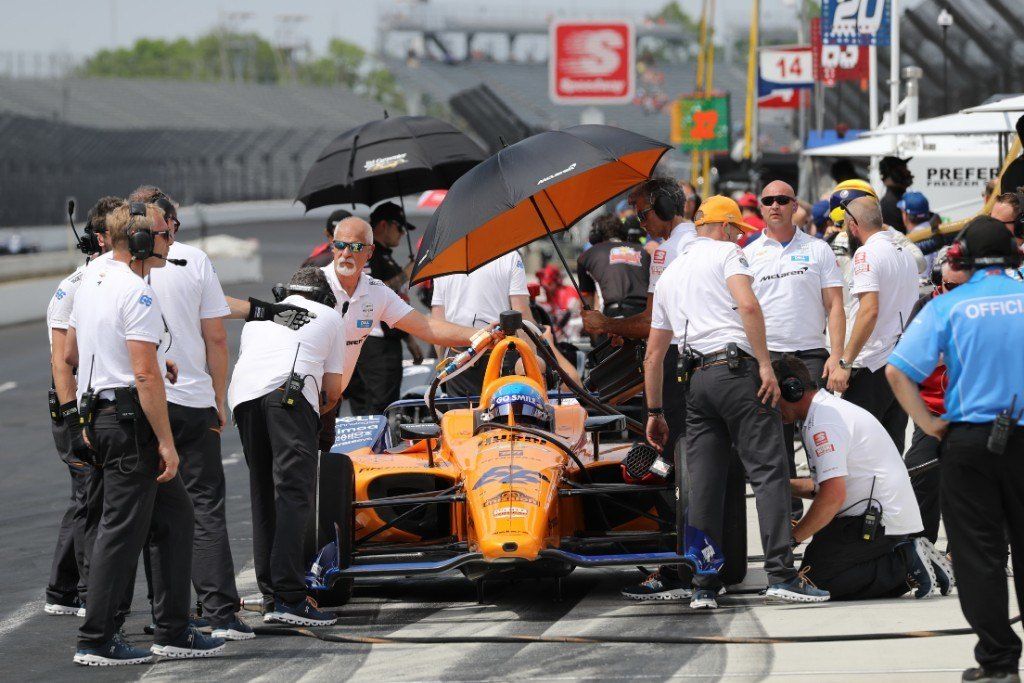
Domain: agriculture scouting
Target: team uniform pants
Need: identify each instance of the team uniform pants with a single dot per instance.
(377, 380)
(924, 448)
(871, 391)
(135, 506)
(722, 412)
(982, 504)
(814, 361)
(840, 561)
(280, 447)
(67, 573)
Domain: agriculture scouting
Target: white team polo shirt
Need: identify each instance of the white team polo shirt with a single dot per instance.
(844, 440)
(881, 266)
(476, 300)
(667, 251)
(788, 281)
(113, 305)
(58, 311)
(692, 298)
(267, 351)
(187, 295)
(372, 302)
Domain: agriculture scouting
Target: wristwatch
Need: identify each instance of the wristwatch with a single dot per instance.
(844, 365)
(651, 412)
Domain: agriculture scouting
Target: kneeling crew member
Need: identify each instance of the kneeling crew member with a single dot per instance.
(281, 384)
(113, 337)
(705, 300)
(863, 510)
(976, 329)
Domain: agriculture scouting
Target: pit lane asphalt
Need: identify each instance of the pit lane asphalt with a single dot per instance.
(33, 646)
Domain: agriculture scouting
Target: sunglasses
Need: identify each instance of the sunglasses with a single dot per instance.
(779, 199)
(846, 209)
(354, 247)
(950, 286)
(166, 234)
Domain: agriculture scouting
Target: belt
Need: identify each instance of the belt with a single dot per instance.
(717, 358)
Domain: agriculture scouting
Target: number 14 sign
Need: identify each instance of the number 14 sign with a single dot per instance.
(785, 67)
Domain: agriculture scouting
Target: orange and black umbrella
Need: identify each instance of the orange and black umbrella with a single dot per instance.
(532, 189)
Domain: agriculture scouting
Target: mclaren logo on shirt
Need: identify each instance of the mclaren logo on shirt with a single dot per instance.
(779, 276)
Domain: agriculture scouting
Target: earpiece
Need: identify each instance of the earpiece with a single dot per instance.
(792, 389)
(663, 204)
(140, 242)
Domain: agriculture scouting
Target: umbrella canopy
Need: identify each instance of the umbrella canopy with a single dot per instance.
(389, 158)
(536, 187)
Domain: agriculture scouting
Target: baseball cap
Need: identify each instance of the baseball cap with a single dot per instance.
(915, 204)
(985, 236)
(748, 200)
(819, 212)
(844, 192)
(389, 211)
(721, 209)
(335, 218)
(888, 164)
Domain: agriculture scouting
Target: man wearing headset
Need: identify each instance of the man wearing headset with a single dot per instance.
(863, 511)
(114, 338)
(976, 330)
(283, 381)
(66, 590)
(661, 205)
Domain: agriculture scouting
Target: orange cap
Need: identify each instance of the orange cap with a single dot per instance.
(720, 209)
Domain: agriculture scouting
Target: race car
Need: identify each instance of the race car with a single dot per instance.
(515, 483)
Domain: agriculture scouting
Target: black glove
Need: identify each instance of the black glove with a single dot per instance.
(79, 449)
(286, 315)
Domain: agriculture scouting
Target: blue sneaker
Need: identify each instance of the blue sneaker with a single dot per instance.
(236, 629)
(191, 644)
(116, 652)
(658, 586)
(70, 608)
(797, 589)
(703, 598)
(194, 622)
(303, 613)
(921, 573)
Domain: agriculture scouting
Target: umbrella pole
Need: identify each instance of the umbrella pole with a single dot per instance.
(401, 200)
(558, 251)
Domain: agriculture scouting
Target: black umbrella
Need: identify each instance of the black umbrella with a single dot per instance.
(534, 188)
(389, 158)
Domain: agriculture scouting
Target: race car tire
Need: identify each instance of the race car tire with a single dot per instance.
(332, 519)
(734, 528)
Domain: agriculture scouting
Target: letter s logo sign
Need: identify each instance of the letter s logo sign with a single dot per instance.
(594, 53)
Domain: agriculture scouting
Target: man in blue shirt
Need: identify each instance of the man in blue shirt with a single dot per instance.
(976, 330)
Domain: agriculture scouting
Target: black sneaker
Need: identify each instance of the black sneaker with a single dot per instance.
(236, 629)
(922, 573)
(981, 675)
(943, 569)
(116, 652)
(191, 644)
(200, 623)
(658, 586)
(68, 608)
(303, 613)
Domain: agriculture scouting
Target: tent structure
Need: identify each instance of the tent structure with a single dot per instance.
(983, 123)
(1010, 104)
(876, 146)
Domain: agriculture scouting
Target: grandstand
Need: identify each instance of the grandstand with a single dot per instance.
(206, 142)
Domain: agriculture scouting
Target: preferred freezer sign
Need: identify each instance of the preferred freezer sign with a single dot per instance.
(592, 62)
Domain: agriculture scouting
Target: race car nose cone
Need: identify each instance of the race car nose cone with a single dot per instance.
(510, 547)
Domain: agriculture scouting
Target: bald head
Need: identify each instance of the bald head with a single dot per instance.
(353, 229)
(778, 216)
(866, 213)
(777, 187)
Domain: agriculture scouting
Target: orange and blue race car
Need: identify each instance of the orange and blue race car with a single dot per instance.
(524, 481)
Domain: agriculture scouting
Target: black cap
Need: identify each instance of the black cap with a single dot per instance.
(336, 217)
(987, 237)
(888, 164)
(389, 211)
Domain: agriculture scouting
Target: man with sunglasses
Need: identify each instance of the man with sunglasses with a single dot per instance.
(885, 288)
(193, 305)
(366, 302)
(800, 289)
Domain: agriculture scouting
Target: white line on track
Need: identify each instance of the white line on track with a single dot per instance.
(21, 615)
(7, 386)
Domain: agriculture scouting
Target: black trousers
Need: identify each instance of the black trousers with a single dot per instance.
(377, 380)
(202, 472)
(924, 448)
(67, 572)
(871, 391)
(982, 503)
(722, 412)
(673, 399)
(135, 506)
(280, 447)
(840, 561)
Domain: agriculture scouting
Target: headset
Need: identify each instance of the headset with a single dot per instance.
(663, 204)
(321, 295)
(792, 389)
(958, 256)
(142, 241)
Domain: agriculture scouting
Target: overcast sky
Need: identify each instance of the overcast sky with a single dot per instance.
(81, 27)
